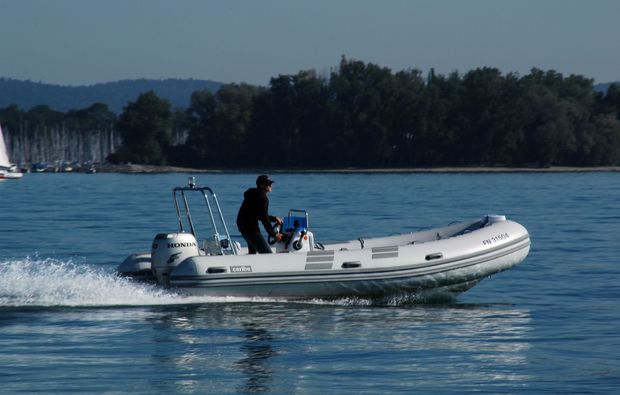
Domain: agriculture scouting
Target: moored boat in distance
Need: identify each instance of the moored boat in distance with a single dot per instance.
(445, 260)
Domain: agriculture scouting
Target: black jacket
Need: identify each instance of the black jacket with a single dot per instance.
(255, 207)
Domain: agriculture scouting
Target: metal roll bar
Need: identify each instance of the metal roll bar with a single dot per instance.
(208, 195)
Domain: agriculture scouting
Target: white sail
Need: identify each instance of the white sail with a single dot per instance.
(4, 156)
(7, 170)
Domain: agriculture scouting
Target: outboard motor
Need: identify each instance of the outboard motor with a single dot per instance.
(170, 249)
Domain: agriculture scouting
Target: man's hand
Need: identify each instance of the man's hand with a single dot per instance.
(278, 236)
(279, 221)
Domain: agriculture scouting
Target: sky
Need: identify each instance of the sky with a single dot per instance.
(83, 42)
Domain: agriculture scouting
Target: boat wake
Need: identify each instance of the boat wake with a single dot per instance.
(49, 282)
(34, 282)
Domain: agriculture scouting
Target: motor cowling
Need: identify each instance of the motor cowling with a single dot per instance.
(170, 249)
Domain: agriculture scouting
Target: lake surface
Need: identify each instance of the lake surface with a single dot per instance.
(69, 325)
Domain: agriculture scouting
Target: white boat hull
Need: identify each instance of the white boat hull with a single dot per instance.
(443, 260)
(9, 175)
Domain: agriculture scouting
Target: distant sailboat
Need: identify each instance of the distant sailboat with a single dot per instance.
(7, 169)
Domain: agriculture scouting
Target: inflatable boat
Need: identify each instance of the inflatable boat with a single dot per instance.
(445, 260)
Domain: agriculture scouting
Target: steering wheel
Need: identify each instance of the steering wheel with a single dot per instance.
(271, 239)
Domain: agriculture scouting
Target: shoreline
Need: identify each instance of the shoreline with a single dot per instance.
(152, 169)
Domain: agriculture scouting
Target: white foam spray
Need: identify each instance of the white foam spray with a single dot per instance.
(52, 282)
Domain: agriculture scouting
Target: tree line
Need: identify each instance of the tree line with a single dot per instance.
(364, 115)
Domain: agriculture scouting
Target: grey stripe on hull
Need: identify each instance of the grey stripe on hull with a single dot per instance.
(384, 249)
(385, 252)
(318, 266)
(388, 255)
(320, 259)
(320, 253)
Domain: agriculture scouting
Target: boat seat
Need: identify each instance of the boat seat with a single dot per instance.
(212, 247)
(294, 223)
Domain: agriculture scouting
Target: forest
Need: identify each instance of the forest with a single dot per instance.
(358, 115)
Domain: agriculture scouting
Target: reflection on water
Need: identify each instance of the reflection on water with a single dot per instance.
(258, 349)
(271, 347)
(275, 347)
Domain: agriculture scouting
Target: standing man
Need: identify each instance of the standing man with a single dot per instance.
(255, 207)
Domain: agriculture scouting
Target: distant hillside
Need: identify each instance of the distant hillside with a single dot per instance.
(116, 95)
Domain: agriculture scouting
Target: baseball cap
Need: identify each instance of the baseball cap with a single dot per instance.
(264, 179)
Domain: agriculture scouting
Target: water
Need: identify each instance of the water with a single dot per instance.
(69, 325)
